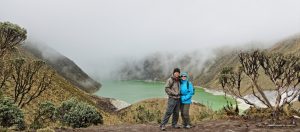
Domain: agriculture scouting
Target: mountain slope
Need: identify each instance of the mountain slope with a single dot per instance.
(60, 90)
(209, 77)
(64, 66)
(290, 45)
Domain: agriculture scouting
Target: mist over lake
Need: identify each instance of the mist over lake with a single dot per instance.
(100, 35)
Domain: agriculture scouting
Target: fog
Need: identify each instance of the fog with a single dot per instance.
(99, 34)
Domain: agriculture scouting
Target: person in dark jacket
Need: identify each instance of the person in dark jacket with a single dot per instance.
(172, 88)
(187, 91)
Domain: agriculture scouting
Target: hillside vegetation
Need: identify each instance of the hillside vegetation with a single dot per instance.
(28, 81)
(61, 90)
(210, 76)
(64, 66)
(152, 111)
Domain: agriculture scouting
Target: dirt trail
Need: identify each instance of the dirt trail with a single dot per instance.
(209, 126)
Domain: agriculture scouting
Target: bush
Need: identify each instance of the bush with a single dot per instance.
(230, 110)
(143, 115)
(44, 114)
(10, 114)
(78, 114)
(267, 114)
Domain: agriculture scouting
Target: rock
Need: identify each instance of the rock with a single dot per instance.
(119, 104)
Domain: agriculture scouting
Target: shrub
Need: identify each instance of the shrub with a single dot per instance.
(230, 110)
(265, 114)
(44, 114)
(143, 115)
(78, 114)
(10, 114)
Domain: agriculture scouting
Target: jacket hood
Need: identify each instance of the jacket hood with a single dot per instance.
(185, 74)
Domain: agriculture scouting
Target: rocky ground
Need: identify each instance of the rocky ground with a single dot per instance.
(208, 126)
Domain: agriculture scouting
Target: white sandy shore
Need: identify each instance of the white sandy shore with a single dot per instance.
(242, 105)
(120, 104)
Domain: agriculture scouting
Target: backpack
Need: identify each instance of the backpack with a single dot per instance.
(189, 89)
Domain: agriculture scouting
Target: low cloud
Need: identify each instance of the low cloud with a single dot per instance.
(99, 35)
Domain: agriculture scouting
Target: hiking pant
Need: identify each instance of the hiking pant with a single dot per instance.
(185, 109)
(172, 108)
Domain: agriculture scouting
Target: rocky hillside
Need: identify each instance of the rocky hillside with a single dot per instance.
(64, 66)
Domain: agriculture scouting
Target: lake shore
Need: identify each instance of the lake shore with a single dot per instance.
(242, 105)
(134, 91)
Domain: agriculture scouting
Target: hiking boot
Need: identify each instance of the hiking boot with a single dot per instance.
(176, 126)
(187, 127)
(162, 128)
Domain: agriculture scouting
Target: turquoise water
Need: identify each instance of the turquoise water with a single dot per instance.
(135, 91)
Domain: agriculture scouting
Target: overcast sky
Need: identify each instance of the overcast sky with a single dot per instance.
(96, 33)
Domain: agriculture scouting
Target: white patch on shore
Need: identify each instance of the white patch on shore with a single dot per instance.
(119, 104)
(214, 92)
(271, 95)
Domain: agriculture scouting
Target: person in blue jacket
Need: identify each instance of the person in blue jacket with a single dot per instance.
(186, 93)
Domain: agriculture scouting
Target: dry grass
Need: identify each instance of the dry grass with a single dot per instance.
(152, 111)
(60, 90)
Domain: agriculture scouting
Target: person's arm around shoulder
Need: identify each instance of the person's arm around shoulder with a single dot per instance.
(168, 87)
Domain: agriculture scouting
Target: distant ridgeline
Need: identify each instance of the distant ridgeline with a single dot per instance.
(204, 69)
(158, 66)
(64, 66)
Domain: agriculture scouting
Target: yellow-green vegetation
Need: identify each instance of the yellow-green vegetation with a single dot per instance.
(289, 45)
(63, 66)
(72, 113)
(59, 90)
(152, 111)
(10, 114)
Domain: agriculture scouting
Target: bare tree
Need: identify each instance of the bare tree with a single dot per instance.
(282, 70)
(30, 80)
(5, 73)
(11, 35)
(231, 83)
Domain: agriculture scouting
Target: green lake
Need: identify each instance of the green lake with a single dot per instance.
(135, 91)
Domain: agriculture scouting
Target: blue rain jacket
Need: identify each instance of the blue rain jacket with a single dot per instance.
(186, 92)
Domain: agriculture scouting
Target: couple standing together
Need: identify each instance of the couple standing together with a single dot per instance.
(180, 91)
